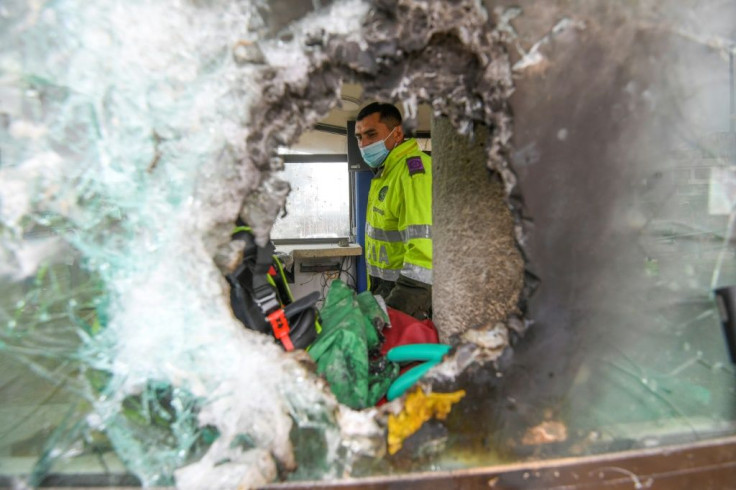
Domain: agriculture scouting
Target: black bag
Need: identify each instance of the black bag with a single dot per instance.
(260, 296)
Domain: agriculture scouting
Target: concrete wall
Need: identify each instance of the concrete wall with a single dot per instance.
(478, 271)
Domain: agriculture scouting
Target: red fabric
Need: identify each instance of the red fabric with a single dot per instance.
(405, 329)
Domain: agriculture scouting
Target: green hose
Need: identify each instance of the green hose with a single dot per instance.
(417, 352)
(408, 379)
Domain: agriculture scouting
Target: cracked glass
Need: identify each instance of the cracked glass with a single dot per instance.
(132, 135)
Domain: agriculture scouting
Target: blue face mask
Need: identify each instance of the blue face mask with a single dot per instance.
(375, 153)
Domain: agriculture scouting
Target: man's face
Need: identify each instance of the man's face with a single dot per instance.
(370, 129)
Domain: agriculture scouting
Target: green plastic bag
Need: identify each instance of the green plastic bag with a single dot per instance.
(346, 349)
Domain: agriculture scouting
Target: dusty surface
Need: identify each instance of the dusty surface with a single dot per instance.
(478, 272)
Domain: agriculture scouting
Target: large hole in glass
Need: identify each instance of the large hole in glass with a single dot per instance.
(480, 248)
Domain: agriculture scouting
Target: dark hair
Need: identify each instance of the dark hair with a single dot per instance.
(390, 115)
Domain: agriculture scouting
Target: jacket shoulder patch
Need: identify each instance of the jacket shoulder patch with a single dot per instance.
(415, 165)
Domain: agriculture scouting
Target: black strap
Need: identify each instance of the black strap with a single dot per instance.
(301, 304)
(263, 292)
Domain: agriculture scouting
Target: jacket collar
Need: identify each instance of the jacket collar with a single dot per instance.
(407, 147)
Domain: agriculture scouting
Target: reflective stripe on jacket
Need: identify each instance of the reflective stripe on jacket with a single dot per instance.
(398, 230)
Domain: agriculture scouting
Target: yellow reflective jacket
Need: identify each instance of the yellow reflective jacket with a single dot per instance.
(398, 229)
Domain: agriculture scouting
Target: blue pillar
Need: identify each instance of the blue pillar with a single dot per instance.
(362, 186)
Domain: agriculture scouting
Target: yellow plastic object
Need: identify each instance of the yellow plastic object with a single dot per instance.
(419, 408)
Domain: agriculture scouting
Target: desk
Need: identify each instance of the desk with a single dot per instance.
(320, 250)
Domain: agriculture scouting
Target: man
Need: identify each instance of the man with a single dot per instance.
(398, 234)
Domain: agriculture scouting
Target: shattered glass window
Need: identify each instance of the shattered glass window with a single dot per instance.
(133, 135)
